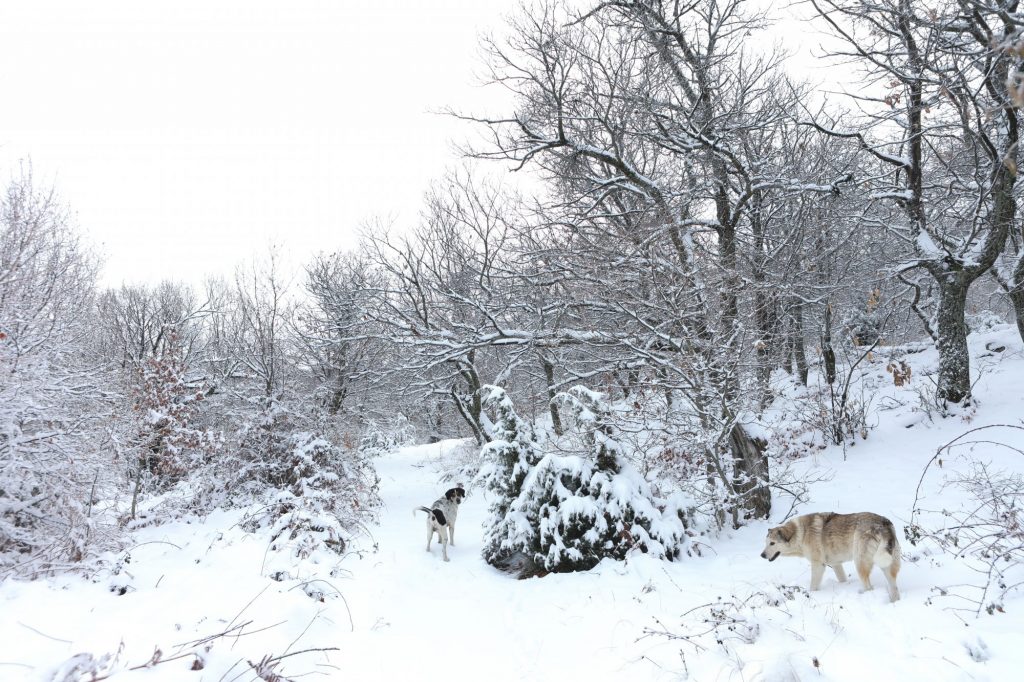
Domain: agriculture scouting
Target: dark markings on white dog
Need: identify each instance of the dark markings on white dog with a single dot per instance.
(439, 517)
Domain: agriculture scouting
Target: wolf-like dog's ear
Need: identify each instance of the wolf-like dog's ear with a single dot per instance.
(785, 533)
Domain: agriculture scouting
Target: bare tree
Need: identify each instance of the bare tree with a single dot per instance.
(51, 397)
(332, 329)
(136, 320)
(445, 298)
(658, 126)
(938, 121)
(262, 315)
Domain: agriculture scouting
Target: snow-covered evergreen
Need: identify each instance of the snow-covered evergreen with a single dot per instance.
(507, 461)
(563, 513)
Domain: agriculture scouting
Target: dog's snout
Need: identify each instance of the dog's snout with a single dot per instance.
(763, 555)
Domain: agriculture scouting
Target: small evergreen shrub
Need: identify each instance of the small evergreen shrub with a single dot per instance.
(563, 513)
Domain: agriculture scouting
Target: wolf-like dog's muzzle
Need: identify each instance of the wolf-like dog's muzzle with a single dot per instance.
(775, 556)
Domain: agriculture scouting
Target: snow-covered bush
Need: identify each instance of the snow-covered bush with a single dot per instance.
(169, 443)
(262, 454)
(52, 464)
(380, 438)
(315, 494)
(865, 326)
(731, 624)
(988, 531)
(321, 496)
(983, 321)
(573, 510)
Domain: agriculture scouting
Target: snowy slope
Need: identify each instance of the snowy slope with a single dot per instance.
(395, 612)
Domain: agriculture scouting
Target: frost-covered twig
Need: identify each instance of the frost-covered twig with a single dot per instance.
(990, 533)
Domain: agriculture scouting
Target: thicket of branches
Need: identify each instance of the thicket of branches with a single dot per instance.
(697, 228)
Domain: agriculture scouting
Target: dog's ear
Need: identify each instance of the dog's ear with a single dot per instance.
(452, 494)
(785, 533)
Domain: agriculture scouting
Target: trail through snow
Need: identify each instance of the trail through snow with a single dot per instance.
(418, 617)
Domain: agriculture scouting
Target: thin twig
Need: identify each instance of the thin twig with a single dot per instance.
(43, 634)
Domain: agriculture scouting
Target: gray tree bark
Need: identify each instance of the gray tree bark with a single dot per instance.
(954, 381)
(750, 475)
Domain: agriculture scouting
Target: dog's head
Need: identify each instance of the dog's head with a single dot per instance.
(456, 494)
(777, 542)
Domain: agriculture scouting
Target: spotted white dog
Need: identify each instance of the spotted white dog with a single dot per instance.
(441, 518)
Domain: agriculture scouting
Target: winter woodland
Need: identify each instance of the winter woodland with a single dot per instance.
(721, 300)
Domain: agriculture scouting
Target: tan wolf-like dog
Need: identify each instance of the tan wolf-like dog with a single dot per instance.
(828, 539)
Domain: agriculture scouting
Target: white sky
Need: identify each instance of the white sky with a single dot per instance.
(189, 135)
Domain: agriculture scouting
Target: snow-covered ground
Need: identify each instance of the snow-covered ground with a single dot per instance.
(392, 611)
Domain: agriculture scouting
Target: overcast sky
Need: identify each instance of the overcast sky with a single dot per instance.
(188, 135)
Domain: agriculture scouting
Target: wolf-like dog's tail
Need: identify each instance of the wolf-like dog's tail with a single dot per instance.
(887, 557)
(888, 546)
(891, 545)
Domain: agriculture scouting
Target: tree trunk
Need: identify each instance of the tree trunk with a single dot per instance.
(765, 302)
(827, 352)
(750, 475)
(954, 382)
(469, 404)
(338, 392)
(797, 342)
(135, 494)
(549, 378)
(764, 347)
(1016, 294)
(464, 406)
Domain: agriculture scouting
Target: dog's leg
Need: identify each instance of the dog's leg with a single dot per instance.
(888, 559)
(444, 544)
(451, 533)
(894, 592)
(817, 572)
(840, 573)
(864, 571)
(890, 577)
(430, 534)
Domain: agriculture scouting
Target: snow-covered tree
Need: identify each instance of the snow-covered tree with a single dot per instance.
(51, 399)
(334, 340)
(507, 460)
(135, 319)
(931, 69)
(574, 510)
(316, 494)
(170, 442)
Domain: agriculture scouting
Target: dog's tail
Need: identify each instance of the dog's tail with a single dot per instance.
(888, 550)
(888, 557)
(892, 545)
(438, 515)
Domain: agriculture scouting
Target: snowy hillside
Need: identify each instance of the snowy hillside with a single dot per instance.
(192, 600)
